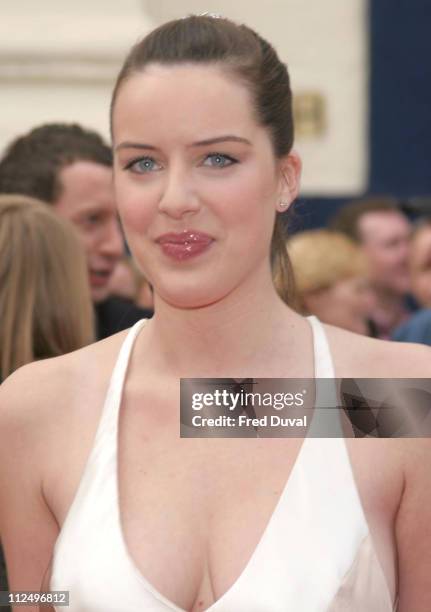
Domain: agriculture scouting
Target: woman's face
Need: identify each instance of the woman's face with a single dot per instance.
(348, 303)
(197, 183)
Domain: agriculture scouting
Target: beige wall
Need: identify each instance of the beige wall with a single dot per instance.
(58, 61)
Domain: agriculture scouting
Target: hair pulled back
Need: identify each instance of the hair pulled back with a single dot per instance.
(246, 56)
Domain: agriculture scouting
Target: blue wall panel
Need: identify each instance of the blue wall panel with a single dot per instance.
(400, 107)
(400, 97)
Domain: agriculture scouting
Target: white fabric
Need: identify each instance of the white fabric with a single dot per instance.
(306, 561)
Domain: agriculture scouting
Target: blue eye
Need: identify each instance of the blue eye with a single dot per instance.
(219, 160)
(142, 165)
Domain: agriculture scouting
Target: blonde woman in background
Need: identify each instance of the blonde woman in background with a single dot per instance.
(45, 301)
(44, 296)
(331, 279)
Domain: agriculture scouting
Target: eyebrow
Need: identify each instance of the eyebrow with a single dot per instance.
(200, 143)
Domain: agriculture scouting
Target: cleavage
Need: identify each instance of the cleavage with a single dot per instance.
(192, 516)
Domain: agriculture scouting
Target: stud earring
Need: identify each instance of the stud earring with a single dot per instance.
(283, 203)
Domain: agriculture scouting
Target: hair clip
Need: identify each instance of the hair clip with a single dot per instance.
(212, 15)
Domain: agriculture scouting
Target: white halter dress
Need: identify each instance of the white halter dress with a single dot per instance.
(316, 553)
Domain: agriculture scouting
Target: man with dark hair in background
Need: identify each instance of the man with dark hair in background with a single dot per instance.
(418, 327)
(420, 261)
(383, 232)
(70, 168)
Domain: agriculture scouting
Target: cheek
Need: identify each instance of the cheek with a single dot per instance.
(356, 300)
(424, 281)
(382, 257)
(134, 207)
(248, 204)
(346, 296)
(89, 242)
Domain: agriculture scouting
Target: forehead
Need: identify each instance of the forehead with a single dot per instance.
(383, 224)
(183, 102)
(85, 184)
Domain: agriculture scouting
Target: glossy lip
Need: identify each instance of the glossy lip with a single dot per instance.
(184, 245)
(186, 237)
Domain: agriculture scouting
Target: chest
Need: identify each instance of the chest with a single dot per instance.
(196, 515)
(199, 518)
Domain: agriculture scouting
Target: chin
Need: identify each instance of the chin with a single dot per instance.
(189, 302)
(99, 295)
(189, 297)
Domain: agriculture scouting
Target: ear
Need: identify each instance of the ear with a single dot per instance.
(290, 179)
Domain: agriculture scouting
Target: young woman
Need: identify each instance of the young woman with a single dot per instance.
(45, 302)
(44, 299)
(96, 483)
(338, 292)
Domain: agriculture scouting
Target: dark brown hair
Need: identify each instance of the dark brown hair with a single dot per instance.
(31, 164)
(346, 219)
(249, 58)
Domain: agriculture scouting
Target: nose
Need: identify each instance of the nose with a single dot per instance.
(112, 245)
(178, 197)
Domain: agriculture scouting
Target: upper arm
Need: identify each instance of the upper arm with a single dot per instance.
(413, 529)
(28, 528)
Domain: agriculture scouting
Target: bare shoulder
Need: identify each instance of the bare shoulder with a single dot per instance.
(413, 531)
(40, 395)
(47, 411)
(359, 356)
(401, 484)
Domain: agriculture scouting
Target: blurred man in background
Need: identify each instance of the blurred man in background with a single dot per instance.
(420, 262)
(71, 168)
(383, 232)
(418, 327)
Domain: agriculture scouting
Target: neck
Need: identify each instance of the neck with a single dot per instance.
(228, 338)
